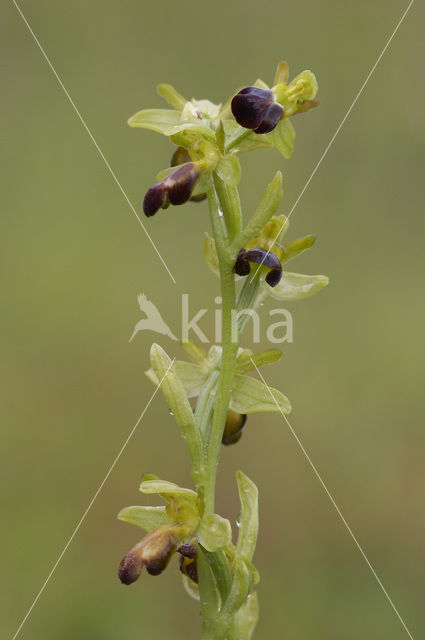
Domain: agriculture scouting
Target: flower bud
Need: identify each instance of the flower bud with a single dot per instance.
(256, 109)
(235, 423)
(263, 258)
(187, 563)
(176, 188)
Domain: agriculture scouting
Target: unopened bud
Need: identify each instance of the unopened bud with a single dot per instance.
(235, 423)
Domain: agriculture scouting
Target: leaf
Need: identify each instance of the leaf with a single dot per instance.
(248, 529)
(146, 518)
(282, 137)
(175, 395)
(241, 586)
(247, 361)
(172, 96)
(214, 532)
(264, 212)
(252, 396)
(292, 249)
(295, 286)
(168, 122)
(229, 170)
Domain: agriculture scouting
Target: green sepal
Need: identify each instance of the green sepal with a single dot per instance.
(146, 518)
(170, 123)
(183, 504)
(282, 137)
(248, 528)
(214, 532)
(250, 395)
(296, 286)
(247, 360)
(174, 99)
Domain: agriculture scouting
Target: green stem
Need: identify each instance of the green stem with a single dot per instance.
(228, 197)
(234, 143)
(229, 351)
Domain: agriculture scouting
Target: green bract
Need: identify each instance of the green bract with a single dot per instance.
(248, 394)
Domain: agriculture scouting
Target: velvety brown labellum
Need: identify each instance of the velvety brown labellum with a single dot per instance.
(130, 567)
(256, 109)
(187, 561)
(157, 565)
(233, 428)
(259, 256)
(175, 188)
(180, 156)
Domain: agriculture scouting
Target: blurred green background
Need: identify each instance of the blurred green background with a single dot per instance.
(74, 259)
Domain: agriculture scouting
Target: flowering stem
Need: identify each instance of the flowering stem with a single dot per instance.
(230, 348)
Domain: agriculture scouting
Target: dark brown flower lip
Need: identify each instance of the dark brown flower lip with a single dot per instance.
(176, 188)
(187, 562)
(154, 552)
(261, 257)
(256, 109)
(181, 156)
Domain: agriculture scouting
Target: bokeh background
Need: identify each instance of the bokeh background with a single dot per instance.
(74, 259)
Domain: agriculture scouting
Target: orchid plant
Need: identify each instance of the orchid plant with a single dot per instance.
(211, 396)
